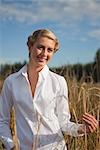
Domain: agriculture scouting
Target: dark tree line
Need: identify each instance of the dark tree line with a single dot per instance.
(7, 69)
(88, 72)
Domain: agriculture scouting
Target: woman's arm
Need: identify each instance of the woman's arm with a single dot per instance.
(5, 109)
(74, 129)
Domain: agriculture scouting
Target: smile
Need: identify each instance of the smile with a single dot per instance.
(42, 59)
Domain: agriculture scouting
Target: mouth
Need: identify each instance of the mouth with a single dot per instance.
(40, 59)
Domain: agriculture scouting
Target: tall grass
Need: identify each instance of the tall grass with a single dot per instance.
(83, 97)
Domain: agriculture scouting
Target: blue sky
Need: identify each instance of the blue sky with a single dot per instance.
(75, 22)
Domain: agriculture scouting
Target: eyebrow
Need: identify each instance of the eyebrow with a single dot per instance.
(44, 46)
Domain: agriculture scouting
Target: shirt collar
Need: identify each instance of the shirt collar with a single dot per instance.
(42, 73)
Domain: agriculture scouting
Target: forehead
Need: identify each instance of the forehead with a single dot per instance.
(45, 41)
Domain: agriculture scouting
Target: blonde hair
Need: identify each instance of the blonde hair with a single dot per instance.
(42, 33)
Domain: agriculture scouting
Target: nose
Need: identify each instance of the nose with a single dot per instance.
(44, 52)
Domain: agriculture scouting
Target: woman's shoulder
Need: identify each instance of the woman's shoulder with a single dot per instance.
(13, 75)
(59, 81)
(56, 76)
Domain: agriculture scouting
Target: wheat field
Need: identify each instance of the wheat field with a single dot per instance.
(83, 97)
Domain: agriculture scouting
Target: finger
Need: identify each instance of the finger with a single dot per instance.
(90, 121)
(90, 129)
(90, 124)
(90, 118)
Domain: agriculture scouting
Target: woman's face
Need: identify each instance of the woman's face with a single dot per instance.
(41, 51)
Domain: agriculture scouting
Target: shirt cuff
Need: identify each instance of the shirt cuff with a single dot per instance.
(80, 130)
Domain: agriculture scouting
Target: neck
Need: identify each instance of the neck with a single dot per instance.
(34, 69)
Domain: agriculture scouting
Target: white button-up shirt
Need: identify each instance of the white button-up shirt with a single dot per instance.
(40, 120)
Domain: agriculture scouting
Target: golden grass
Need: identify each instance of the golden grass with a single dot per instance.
(83, 97)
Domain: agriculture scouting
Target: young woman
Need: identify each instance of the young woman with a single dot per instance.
(40, 100)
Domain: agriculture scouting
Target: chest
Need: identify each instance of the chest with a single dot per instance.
(32, 83)
(44, 93)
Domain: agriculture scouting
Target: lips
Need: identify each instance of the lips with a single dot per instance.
(42, 59)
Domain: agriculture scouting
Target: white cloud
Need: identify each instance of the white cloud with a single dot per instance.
(64, 13)
(59, 10)
(20, 15)
(95, 34)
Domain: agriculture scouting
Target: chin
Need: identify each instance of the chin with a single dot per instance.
(42, 64)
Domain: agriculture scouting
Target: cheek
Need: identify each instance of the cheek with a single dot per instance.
(37, 52)
(50, 56)
(34, 53)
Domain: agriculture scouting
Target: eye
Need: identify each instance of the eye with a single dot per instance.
(50, 50)
(40, 47)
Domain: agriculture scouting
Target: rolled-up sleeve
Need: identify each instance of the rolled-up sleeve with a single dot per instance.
(5, 109)
(63, 112)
